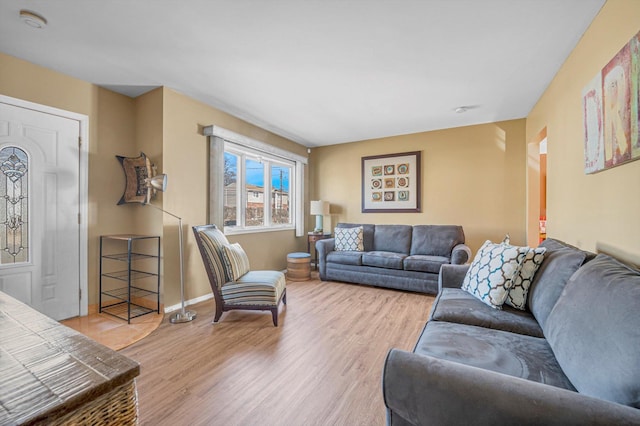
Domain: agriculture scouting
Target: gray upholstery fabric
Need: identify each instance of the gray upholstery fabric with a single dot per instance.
(458, 306)
(394, 238)
(425, 263)
(383, 259)
(594, 330)
(560, 262)
(345, 257)
(394, 418)
(324, 247)
(367, 233)
(460, 254)
(498, 367)
(422, 390)
(452, 276)
(423, 282)
(436, 240)
(419, 274)
(516, 355)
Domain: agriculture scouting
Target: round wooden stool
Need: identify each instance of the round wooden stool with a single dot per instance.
(299, 266)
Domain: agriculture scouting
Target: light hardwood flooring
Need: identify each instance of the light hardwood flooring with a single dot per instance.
(112, 332)
(321, 366)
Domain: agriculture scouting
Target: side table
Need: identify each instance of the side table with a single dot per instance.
(312, 237)
(129, 288)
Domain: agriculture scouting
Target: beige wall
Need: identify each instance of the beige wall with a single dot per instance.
(167, 126)
(598, 211)
(111, 132)
(471, 176)
(185, 161)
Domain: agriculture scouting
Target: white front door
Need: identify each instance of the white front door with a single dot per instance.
(39, 208)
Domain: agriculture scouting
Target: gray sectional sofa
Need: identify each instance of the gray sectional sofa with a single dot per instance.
(573, 358)
(403, 257)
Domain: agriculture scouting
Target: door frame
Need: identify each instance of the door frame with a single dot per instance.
(83, 198)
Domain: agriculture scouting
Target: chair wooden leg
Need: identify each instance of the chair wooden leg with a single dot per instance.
(218, 314)
(274, 314)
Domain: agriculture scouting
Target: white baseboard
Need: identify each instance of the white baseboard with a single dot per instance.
(173, 308)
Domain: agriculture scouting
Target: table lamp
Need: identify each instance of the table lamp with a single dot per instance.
(319, 209)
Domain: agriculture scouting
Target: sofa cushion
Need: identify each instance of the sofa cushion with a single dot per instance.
(458, 306)
(518, 292)
(345, 257)
(423, 282)
(367, 233)
(393, 238)
(560, 262)
(513, 354)
(425, 263)
(436, 240)
(349, 239)
(383, 259)
(594, 330)
(255, 288)
(489, 277)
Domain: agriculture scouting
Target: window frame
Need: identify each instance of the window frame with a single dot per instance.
(217, 137)
(243, 154)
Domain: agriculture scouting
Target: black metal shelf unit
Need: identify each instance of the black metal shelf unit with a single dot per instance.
(140, 295)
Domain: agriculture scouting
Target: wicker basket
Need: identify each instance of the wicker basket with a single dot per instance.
(117, 407)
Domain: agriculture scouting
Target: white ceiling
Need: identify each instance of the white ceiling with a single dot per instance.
(318, 72)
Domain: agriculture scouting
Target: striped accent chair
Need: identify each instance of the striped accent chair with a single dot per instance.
(255, 290)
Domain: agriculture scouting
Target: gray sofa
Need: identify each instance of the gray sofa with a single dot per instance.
(403, 257)
(573, 358)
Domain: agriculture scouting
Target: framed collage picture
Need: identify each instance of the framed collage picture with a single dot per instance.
(391, 183)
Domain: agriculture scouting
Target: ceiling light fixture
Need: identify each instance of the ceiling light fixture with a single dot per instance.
(32, 19)
(461, 109)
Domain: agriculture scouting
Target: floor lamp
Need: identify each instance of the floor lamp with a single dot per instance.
(159, 182)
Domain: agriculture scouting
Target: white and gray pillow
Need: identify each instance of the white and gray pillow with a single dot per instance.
(490, 275)
(349, 239)
(519, 291)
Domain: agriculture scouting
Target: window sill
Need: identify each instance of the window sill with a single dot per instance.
(256, 230)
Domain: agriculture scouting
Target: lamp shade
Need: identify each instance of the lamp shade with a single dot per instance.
(159, 182)
(319, 207)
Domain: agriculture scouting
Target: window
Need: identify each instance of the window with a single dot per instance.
(257, 191)
(254, 186)
(14, 211)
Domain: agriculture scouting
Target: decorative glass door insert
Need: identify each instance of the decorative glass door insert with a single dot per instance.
(14, 206)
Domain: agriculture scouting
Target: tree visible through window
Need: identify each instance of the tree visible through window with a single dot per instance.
(257, 190)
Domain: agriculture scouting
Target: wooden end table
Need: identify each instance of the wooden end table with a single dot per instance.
(312, 237)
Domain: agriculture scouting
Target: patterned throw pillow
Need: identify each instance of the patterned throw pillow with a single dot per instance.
(489, 277)
(522, 279)
(235, 261)
(349, 239)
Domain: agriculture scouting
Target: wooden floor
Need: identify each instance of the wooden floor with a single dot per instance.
(114, 333)
(321, 366)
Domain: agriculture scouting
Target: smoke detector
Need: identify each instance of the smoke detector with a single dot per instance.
(32, 19)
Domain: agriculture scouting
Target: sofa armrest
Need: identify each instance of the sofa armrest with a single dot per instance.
(451, 276)
(323, 248)
(422, 390)
(460, 254)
